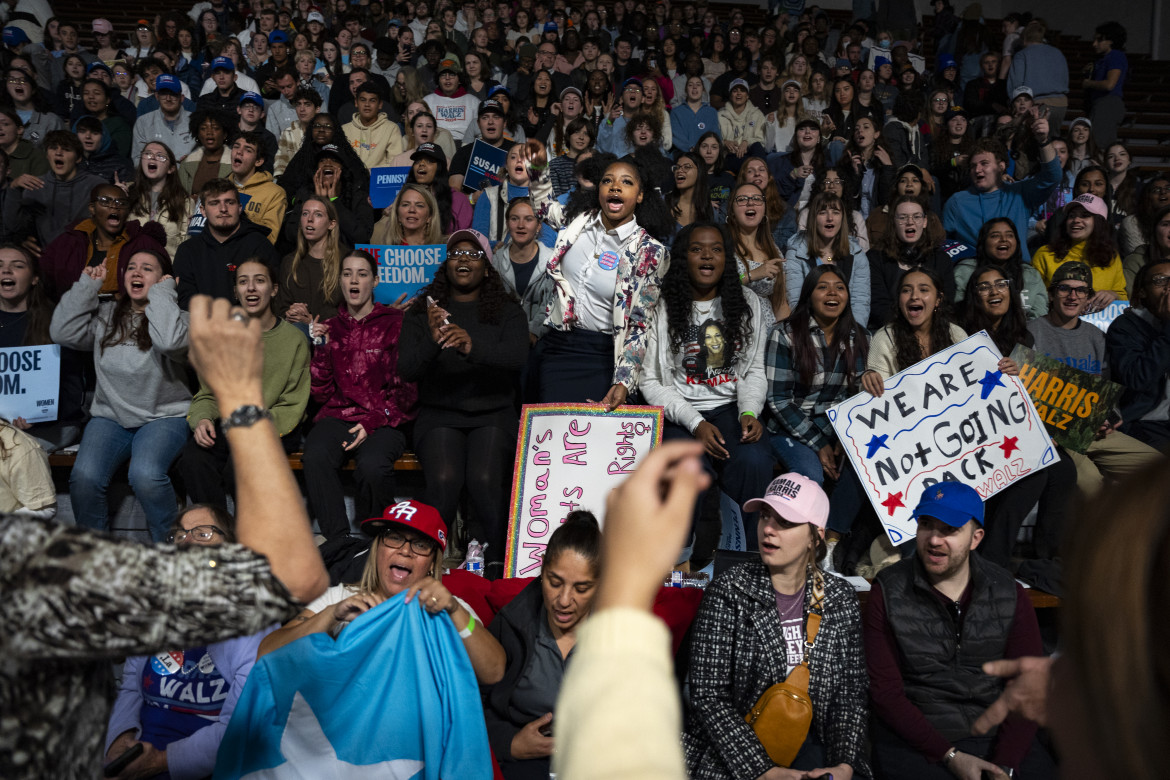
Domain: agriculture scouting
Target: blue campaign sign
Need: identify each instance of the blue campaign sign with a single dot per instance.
(485, 168)
(404, 269)
(29, 381)
(385, 184)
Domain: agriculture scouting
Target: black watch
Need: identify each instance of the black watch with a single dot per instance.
(244, 417)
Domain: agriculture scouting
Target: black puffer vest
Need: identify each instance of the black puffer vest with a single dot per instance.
(942, 672)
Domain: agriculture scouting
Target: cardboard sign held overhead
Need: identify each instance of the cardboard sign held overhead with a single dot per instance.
(568, 457)
(953, 416)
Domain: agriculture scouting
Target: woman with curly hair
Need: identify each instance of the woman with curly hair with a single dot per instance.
(607, 266)
(1085, 235)
(464, 341)
(705, 365)
(644, 135)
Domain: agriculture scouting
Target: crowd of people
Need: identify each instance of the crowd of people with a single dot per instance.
(742, 224)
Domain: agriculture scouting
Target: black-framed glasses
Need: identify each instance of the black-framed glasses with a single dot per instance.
(1076, 292)
(418, 544)
(749, 200)
(1160, 281)
(999, 286)
(200, 533)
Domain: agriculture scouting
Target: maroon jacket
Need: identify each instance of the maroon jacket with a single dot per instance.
(66, 255)
(354, 375)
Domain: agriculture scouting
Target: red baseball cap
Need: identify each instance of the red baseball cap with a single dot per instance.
(421, 517)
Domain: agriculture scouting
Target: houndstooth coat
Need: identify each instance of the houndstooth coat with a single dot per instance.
(738, 652)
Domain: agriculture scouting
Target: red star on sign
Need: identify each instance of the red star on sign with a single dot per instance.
(1009, 445)
(892, 502)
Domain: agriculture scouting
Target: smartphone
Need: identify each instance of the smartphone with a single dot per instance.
(353, 437)
(115, 767)
(547, 729)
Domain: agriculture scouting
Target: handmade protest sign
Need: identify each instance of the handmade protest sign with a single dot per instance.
(404, 269)
(953, 416)
(485, 167)
(1072, 403)
(1104, 318)
(385, 184)
(568, 457)
(30, 378)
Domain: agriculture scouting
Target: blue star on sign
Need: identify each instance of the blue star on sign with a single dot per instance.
(876, 443)
(990, 380)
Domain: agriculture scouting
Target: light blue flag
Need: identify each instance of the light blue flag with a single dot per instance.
(393, 697)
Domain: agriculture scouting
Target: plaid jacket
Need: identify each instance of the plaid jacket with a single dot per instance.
(787, 394)
(641, 267)
(738, 652)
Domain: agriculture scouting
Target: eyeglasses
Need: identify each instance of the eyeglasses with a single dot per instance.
(200, 533)
(1078, 292)
(942, 100)
(418, 544)
(1160, 190)
(749, 200)
(463, 254)
(160, 156)
(115, 203)
(999, 285)
(322, 127)
(903, 219)
(677, 168)
(1160, 281)
(18, 82)
(835, 183)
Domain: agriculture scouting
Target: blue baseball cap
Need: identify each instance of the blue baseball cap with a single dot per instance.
(945, 61)
(953, 503)
(223, 63)
(99, 65)
(169, 83)
(14, 36)
(278, 36)
(497, 89)
(252, 97)
(879, 61)
(631, 82)
(550, 27)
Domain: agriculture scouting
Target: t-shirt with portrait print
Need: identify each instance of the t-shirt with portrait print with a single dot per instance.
(708, 377)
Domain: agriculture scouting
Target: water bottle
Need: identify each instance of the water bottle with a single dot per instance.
(474, 561)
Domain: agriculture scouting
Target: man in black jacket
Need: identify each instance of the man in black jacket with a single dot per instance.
(1139, 356)
(930, 623)
(205, 264)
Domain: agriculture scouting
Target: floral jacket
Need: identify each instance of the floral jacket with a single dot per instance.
(642, 265)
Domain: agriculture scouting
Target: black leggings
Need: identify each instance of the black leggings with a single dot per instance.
(479, 459)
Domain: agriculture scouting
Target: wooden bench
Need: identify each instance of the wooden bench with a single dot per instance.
(408, 461)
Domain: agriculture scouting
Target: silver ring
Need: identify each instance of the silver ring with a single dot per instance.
(434, 599)
(240, 317)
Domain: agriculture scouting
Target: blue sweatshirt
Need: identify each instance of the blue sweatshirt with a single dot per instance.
(688, 125)
(966, 211)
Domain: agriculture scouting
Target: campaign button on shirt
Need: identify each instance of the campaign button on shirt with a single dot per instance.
(608, 260)
(167, 663)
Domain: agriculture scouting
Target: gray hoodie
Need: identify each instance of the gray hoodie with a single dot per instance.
(134, 387)
(48, 211)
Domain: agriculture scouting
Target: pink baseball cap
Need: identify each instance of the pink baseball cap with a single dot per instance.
(102, 26)
(796, 498)
(1091, 204)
